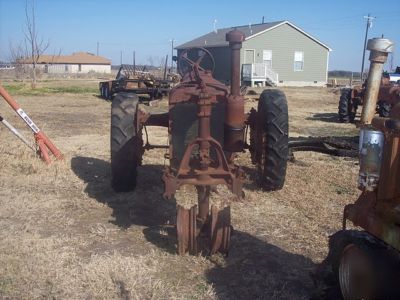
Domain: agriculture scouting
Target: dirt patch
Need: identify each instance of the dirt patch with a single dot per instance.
(66, 234)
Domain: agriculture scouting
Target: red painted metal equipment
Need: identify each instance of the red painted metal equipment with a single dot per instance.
(206, 126)
(385, 93)
(205, 162)
(43, 142)
(367, 262)
(17, 133)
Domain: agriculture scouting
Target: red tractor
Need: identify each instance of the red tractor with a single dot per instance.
(366, 258)
(207, 127)
(352, 98)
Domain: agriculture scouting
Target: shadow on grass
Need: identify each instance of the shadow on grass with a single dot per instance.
(251, 182)
(256, 269)
(142, 207)
(325, 117)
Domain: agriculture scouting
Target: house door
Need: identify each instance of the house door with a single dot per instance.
(248, 56)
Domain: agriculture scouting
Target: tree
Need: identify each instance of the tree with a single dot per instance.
(17, 55)
(34, 46)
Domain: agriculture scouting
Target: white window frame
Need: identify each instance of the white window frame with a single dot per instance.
(270, 56)
(295, 61)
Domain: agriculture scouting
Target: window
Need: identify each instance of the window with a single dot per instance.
(298, 60)
(267, 58)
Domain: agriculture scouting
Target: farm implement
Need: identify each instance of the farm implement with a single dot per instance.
(139, 82)
(43, 143)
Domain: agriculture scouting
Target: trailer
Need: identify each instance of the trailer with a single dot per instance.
(139, 82)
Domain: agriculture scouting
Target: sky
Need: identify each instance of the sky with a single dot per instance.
(147, 27)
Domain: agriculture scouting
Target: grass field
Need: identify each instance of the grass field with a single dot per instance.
(66, 235)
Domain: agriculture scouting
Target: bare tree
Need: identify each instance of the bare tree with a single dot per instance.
(17, 55)
(35, 46)
(150, 60)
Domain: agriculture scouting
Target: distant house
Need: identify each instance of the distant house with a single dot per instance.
(6, 66)
(276, 53)
(80, 62)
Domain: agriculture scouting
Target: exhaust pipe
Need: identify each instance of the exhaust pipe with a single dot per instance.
(234, 111)
(379, 49)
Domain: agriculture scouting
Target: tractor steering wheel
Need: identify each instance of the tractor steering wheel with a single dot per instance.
(195, 57)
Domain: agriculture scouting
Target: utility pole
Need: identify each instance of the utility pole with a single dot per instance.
(172, 53)
(134, 62)
(369, 25)
(121, 57)
(97, 52)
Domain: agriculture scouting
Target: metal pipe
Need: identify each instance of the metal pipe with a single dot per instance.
(234, 111)
(379, 50)
(235, 39)
(16, 133)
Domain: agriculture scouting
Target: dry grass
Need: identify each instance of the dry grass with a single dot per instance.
(65, 234)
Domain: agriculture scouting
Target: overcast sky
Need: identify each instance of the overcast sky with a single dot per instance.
(148, 26)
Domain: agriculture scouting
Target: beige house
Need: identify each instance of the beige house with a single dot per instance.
(79, 62)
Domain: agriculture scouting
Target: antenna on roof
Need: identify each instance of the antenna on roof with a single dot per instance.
(251, 30)
(262, 22)
(215, 27)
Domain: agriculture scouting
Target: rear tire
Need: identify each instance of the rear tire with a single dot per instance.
(107, 95)
(272, 146)
(126, 142)
(384, 109)
(345, 113)
(102, 91)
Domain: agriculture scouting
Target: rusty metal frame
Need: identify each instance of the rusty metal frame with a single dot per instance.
(199, 87)
(377, 211)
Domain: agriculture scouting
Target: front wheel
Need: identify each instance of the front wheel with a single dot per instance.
(356, 273)
(364, 267)
(272, 140)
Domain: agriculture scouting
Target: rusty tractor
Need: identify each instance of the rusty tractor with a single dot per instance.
(207, 127)
(366, 263)
(352, 98)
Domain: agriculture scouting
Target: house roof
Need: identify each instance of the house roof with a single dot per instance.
(75, 58)
(217, 39)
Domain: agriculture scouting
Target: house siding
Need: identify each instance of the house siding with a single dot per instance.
(74, 68)
(284, 40)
